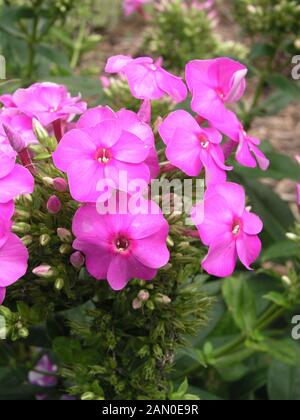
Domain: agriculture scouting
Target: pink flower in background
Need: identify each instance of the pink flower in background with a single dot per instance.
(147, 79)
(191, 147)
(13, 254)
(48, 102)
(132, 6)
(14, 178)
(42, 379)
(128, 121)
(120, 247)
(103, 152)
(230, 231)
(213, 84)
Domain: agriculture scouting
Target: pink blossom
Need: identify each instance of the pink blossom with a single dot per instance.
(102, 147)
(48, 102)
(132, 6)
(120, 247)
(213, 83)
(190, 147)
(147, 79)
(230, 231)
(13, 254)
(128, 121)
(44, 365)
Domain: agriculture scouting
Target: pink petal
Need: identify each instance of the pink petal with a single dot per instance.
(213, 135)
(117, 63)
(129, 148)
(252, 224)
(152, 251)
(130, 122)
(172, 85)
(248, 249)
(153, 163)
(118, 273)
(234, 195)
(95, 116)
(7, 159)
(19, 181)
(222, 257)
(105, 134)
(97, 258)
(142, 82)
(140, 271)
(183, 151)
(2, 294)
(145, 225)
(13, 261)
(90, 226)
(215, 219)
(262, 160)
(74, 146)
(119, 172)
(176, 120)
(7, 210)
(238, 86)
(214, 174)
(83, 176)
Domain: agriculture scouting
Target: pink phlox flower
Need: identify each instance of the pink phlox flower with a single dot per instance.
(213, 84)
(122, 246)
(147, 79)
(102, 149)
(45, 365)
(13, 253)
(48, 102)
(228, 229)
(191, 147)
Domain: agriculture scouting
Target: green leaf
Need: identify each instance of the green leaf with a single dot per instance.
(285, 351)
(278, 299)
(281, 250)
(241, 303)
(283, 382)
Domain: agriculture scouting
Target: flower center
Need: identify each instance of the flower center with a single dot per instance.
(220, 93)
(153, 67)
(103, 156)
(54, 109)
(236, 229)
(203, 141)
(122, 244)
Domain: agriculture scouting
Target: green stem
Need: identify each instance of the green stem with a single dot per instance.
(78, 46)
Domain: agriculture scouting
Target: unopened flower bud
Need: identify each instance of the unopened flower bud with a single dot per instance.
(292, 236)
(60, 184)
(40, 132)
(21, 227)
(136, 304)
(15, 139)
(65, 235)
(23, 333)
(88, 396)
(143, 295)
(45, 239)
(54, 205)
(286, 280)
(59, 283)
(48, 181)
(65, 249)
(150, 305)
(163, 299)
(170, 241)
(27, 240)
(77, 259)
(44, 271)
